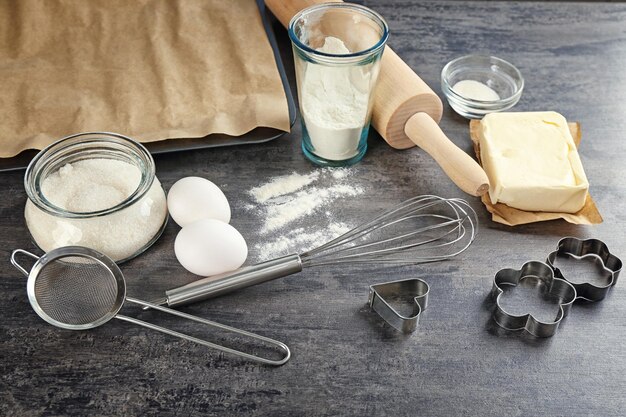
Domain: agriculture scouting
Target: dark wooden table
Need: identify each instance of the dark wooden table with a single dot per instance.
(345, 361)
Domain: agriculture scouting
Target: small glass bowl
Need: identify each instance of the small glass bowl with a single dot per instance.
(496, 73)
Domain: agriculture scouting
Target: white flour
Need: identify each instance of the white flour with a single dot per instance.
(335, 104)
(299, 240)
(282, 185)
(305, 203)
(475, 90)
(297, 211)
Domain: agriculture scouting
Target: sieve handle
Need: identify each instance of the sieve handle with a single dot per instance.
(281, 346)
(17, 264)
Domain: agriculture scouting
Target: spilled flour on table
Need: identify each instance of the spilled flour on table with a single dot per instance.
(299, 240)
(282, 185)
(304, 203)
(297, 213)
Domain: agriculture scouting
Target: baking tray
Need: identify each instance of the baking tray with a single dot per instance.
(256, 135)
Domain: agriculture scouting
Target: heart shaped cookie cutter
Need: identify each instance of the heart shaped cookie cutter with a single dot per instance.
(557, 287)
(579, 249)
(380, 293)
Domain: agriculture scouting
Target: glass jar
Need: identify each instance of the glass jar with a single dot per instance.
(97, 190)
(337, 48)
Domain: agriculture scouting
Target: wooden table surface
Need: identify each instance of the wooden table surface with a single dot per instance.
(345, 361)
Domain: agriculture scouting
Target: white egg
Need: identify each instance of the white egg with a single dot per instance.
(209, 247)
(195, 198)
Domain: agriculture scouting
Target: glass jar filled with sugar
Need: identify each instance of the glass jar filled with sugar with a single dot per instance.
(97, 190)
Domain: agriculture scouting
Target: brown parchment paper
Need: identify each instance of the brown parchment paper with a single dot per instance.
(504, 214)
(149, 69)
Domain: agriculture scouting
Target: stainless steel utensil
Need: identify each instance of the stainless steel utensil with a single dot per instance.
(380, 294)
(539, 275)
(422, 229)
(78, 288)
(579, 249)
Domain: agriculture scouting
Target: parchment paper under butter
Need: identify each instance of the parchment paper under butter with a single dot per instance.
(149, 69)
(501, 213)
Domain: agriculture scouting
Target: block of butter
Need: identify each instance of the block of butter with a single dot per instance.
(532, 162)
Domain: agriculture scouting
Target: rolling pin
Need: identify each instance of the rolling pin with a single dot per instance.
(406, 111)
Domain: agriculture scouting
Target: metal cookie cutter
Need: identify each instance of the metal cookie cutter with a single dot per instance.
(557, 287)
(416, 288)
(579, 249)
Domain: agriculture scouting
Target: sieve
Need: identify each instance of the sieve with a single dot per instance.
(78, 288)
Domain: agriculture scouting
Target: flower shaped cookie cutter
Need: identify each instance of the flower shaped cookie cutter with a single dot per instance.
(542, 273)
(579, 249)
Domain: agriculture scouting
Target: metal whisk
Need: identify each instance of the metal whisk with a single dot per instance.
(78, 288)
(422, 229)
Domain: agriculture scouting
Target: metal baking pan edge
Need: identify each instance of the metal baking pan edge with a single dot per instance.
(256, 135)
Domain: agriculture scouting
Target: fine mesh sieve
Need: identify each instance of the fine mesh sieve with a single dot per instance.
(78, 288)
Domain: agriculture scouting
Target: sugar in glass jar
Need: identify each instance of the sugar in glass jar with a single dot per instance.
(97, 190)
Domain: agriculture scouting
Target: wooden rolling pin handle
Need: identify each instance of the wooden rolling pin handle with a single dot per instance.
(461, 168)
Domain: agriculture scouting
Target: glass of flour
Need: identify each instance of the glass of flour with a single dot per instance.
(97, 190)
(337, 50)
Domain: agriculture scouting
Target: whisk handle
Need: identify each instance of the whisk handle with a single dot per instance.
(232, 281)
